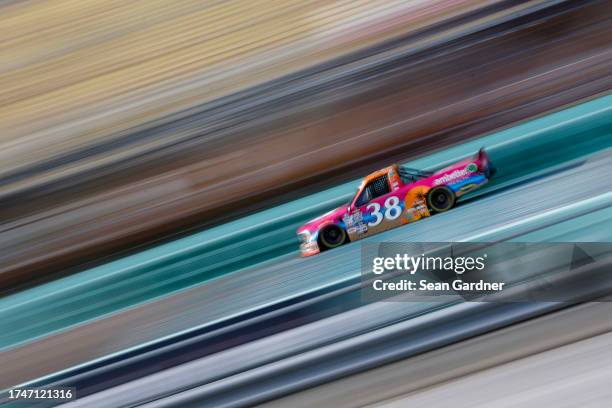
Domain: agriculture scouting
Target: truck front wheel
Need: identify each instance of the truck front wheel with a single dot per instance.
(332, 236)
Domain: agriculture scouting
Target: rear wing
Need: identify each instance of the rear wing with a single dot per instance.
(483, 157)
(485, 163)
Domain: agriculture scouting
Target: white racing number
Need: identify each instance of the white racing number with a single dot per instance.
(376, 213)
(392, 210)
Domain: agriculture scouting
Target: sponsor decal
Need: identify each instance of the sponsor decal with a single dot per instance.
(468, 187)
(354, 223)
(450, 177)
(472, 168)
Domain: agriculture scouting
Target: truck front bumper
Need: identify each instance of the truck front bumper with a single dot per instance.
(309, 248)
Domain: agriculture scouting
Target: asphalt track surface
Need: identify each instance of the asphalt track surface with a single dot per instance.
(574, 375)
(536, 363)
(405, 101)
(240, 383)
(500, 216)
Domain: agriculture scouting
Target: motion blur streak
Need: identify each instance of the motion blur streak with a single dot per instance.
(105, 181)
(257, 287)
(575, 375)
(189, 385)
(90, 68)
(127, 126)
(555, 142)
(434, 377)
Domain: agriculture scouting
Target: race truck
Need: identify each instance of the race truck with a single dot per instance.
(391, 197)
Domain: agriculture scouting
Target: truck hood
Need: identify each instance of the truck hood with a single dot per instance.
(331, 216)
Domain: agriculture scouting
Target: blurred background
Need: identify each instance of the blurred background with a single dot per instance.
(156, 158)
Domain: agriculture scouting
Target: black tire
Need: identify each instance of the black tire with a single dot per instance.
(441, 199)
(332, 236)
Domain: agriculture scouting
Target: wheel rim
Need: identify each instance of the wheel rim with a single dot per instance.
(441, 200)
(333, 236)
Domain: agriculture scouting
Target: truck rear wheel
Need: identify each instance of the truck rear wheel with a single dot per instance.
(440, 199)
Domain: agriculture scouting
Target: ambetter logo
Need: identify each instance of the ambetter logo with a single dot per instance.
(450, 177)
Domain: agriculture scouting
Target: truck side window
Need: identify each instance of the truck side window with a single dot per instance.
(380, 186)
(375, 188)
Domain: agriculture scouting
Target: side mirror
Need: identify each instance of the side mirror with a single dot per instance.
(350, 208)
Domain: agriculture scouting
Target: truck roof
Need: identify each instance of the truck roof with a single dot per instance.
(379, 173)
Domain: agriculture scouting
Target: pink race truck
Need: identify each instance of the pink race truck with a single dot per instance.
(391, 197)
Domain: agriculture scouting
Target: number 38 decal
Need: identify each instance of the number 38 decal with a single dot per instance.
(391, 211)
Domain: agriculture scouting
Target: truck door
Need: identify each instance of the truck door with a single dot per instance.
(380, 207)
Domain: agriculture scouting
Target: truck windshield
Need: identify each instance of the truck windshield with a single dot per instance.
(364, 197)
(375, 188)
